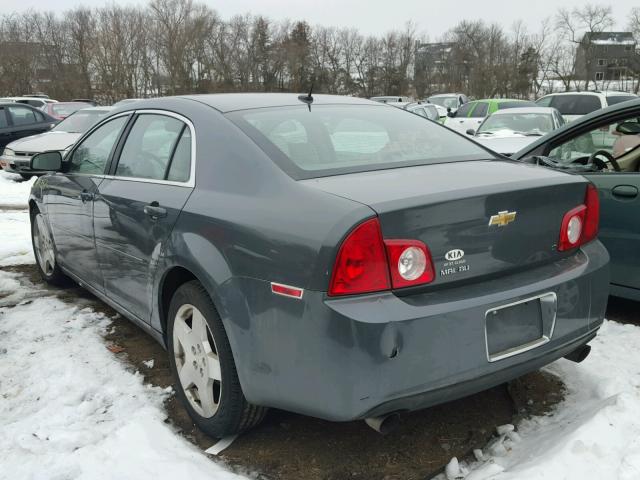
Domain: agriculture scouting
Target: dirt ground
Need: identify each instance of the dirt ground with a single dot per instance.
(291, 447)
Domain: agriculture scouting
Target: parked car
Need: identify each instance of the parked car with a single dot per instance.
(426, 110)
(62, 110)
(573, 105)
(325, 255)
(18, 121)
(611, 161)
(37, 102)
(449, 101)
(510, 130)
(391, 99)
(471, 114)
(16, 157)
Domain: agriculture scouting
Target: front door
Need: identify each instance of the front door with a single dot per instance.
(70, 200)
(619, 186)
(137, 206)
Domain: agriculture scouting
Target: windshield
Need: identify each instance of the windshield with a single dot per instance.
(521, 123)
(335, 139)
(446, 102)
(80, 121)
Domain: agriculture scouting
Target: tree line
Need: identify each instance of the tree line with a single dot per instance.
(180, 46)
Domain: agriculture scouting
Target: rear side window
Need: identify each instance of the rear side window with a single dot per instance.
(149, 147)
(180, 169)
(480, 111)
(614, 100)
(22, 115)
(576, 104)
(336, 139)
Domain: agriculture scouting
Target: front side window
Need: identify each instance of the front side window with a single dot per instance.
(22, 115)
(464, 110)
(149, 147)
(620, 140)
(480, 111)
(91, 156)
(336, 139)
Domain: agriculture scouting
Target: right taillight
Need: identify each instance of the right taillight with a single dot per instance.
(580, 224)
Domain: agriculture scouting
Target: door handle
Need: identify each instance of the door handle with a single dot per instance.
(86, 196)
(155, 211)
(626, 191)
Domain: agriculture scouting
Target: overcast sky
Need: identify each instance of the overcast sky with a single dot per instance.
(371, 16)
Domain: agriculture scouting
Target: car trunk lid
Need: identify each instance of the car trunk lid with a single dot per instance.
(478, 218)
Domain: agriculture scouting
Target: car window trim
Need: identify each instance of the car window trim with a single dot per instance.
(113, 163)
(173, 152)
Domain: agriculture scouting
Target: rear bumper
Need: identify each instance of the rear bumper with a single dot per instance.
(349, 358)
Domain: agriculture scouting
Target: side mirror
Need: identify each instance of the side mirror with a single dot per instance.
(471, 132)
(47, 161)
(628, 128)
(450, 113)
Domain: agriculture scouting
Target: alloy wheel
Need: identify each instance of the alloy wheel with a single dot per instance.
(43, 242)
(197, 360)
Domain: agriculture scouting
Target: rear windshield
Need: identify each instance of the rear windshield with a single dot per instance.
(576, 104)
(67, 109)
(615, 99)
(336, 139)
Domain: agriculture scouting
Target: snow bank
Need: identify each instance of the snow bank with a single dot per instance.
(13, 191)
(71, 410)
(593, 434)
(15, 238)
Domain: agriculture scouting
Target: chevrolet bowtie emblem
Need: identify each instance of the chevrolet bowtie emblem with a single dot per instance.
(502, 218)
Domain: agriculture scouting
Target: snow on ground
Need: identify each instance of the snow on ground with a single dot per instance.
(593, 434)
(69, 409)
(13, 191)
(15, 238)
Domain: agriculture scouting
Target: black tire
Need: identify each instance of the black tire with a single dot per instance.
(234, 414)
(54, 276)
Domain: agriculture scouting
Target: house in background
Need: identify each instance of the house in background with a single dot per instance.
(607, 56)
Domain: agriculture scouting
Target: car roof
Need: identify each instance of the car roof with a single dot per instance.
(228, 102)
(606, 93)
(95, 109)
(45, 100)
(548, 110)
(445, 95)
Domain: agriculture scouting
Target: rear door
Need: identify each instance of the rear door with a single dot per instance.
(137, 205)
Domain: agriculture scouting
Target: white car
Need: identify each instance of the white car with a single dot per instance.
(573, 105)
(508, 131)
(37, 102)
(426, 110)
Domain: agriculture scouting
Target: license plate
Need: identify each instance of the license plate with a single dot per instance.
(519, 326)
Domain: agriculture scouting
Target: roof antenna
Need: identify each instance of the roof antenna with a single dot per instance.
(308, 99)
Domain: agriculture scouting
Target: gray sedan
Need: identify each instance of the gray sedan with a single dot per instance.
(324, 255)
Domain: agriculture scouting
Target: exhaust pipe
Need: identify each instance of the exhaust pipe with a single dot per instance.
(384, 424)
(579, 354)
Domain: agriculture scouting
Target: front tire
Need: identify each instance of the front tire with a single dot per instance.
(202, 364)
(44, 250)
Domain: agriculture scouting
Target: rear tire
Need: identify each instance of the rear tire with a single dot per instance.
(202, 364)
(44, 250)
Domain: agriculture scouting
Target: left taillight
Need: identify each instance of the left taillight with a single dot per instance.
(580, 224)
(367, 263)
